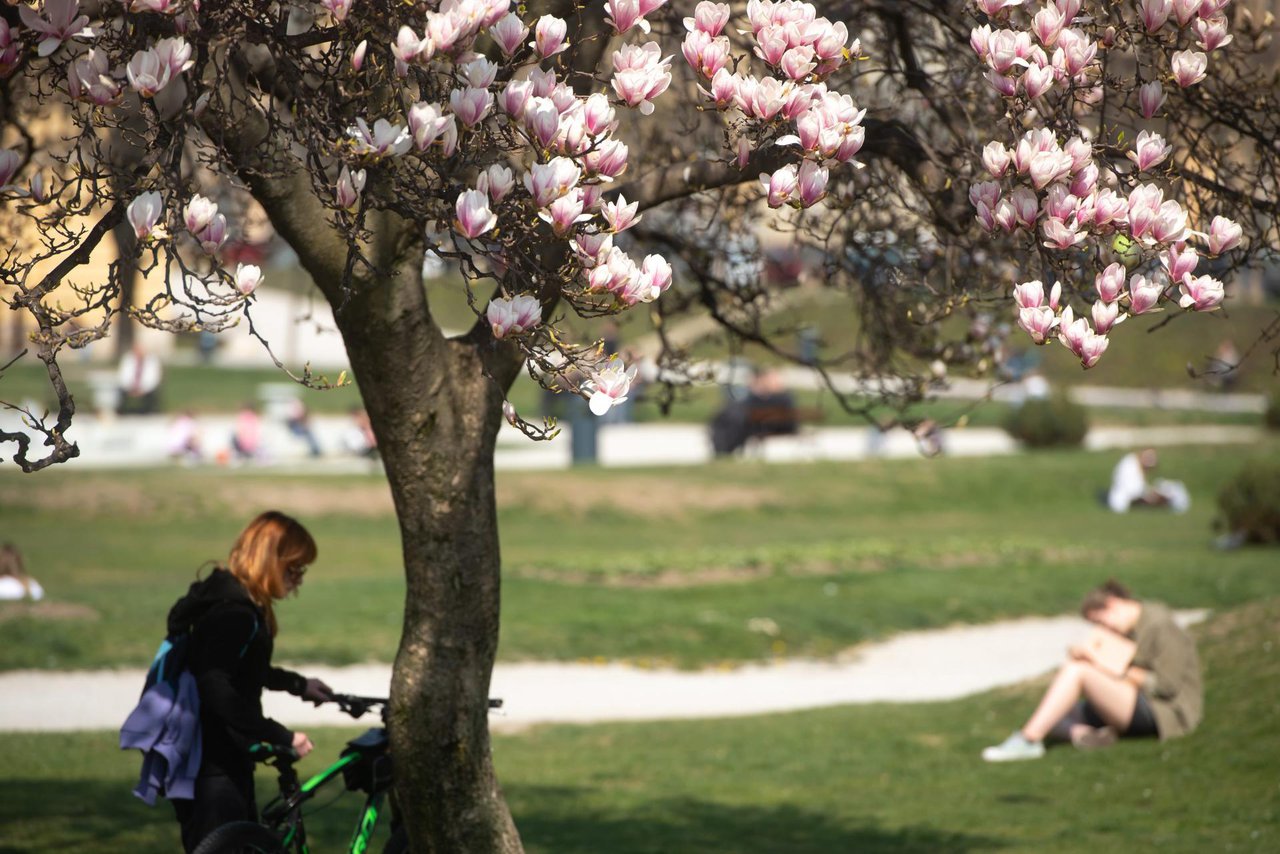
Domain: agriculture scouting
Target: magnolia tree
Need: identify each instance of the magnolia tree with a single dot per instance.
(594, 158)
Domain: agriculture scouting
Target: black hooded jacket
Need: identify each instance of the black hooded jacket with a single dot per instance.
(229, 655)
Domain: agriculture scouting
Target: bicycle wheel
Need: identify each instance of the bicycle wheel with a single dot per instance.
(240, 837)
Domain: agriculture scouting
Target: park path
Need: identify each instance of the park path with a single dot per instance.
(939, 664)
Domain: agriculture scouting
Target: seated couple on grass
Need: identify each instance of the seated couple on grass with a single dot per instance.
(1137, 676)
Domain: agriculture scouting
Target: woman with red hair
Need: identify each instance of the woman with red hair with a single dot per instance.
(232, 625)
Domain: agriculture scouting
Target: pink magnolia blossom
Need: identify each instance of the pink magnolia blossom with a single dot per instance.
(1185, 10)
(1029, 294)
(1188, 67)
(1033, 142)
(1003, 50)
(995, 157)
(1036, 81)
(598, 116)
(198, 213)
(1154, 13)
(474, 215)
(1144, 207)
(608, 160)
(406, 49)
(426, 124)
(1179, 260)
(1055, 295)
(1059, 234)
(622, 15)
(549, 181)
(357, 56)
(89, 79)
(497, 181)
(1047, 24)
(1049, 166)
(1006, 86)
(143, 212)
(591, 248)
(811, 183)
(1212, 34)
(1060, 202)
(1039, 323)
(542, 118)
(1110, 283)
(654, 277)
(1026, 205)
(1144, 293)
(995, 7)
(9, 162)
(984, 192)
(213, 235)
(9, 47)
(509, 413)
(384, 139)
(176, 54)
(60, 23)
(470, 105)
(1075, 52)
(509, 33)
(513, 315)
(640, 75)
(1149, 151)
(544, 82)
(1106, 315)
(1005, 216)
(1170, 225)
(1151, 97)
(617, 274)
(339, 9)
(248, 277)
(565, 212)
(162, 7)
(1080, 152)
(781, 185)
(609, 386)
(147, 73)
(980, 41)
(708, 17)
(1110, 208)
(549, 36)
(479, 73)
(1224, 235)
(1072, 330)
(1085, 181)
(1092, 348)
(705, 54)
(350, 185)
(1200, 293)
(515, 98)
(620, 215)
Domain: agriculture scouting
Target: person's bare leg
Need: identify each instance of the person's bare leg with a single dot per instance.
(1113, 698)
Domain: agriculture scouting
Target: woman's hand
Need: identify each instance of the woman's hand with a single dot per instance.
(301, 744)
(317, 692)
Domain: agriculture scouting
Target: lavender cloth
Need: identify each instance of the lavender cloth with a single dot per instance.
(165, 726)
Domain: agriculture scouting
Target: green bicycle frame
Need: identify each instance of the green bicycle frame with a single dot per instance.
(296, 837)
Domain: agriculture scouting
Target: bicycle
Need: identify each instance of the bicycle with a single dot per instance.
(364, 765)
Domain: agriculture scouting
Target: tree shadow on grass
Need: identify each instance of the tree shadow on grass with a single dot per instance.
(556, 820)
(104, 817)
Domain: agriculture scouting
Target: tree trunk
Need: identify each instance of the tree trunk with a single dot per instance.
(436, 416)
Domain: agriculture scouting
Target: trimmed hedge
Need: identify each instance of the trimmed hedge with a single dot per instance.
(1048, 423)
(1250, 503)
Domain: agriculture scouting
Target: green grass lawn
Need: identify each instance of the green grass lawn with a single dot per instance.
(876, 778)
(660, 565)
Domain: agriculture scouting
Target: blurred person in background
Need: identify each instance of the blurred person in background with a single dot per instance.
(1129, 486)
(15, 583)
(246, 435)
(139, 377)
(183, 440)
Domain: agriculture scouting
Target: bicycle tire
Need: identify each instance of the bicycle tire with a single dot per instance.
(240, 837)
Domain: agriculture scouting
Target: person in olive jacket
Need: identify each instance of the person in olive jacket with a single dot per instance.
(233, 626)
(1160, 694)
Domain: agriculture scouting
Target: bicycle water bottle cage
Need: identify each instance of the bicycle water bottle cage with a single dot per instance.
(371, 772)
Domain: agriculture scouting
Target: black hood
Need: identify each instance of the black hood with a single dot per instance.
(219, 587)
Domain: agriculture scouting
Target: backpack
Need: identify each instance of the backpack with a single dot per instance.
(165, 724)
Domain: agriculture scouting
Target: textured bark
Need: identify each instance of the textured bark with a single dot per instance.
(435, 406)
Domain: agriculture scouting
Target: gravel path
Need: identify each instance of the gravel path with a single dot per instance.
(941, 664)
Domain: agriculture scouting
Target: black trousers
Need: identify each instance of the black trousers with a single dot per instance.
(219, 799)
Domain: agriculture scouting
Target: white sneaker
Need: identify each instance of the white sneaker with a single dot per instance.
(1014, 748)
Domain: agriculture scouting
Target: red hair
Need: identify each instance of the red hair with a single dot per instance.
(268, 547)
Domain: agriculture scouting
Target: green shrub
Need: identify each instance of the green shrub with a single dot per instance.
(1271, 417)
(1250, 503)
(1048, 422)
